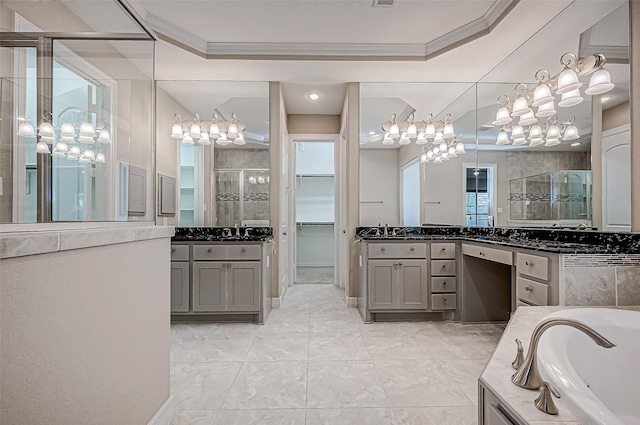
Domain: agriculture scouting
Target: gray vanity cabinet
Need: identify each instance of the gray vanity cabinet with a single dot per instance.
(397, 284)
(243, 286)
(209, 286)
(412, 288)
(179, 286)
(383, 285)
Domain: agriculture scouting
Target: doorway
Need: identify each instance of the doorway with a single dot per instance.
(480, 189)
(314, 212)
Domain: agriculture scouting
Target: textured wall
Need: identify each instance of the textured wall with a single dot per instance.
(85, 335)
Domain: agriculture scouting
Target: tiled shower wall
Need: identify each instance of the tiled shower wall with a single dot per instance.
(601, 280)
(240, 158)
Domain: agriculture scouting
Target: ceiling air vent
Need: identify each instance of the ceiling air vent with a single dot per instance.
(384, 3)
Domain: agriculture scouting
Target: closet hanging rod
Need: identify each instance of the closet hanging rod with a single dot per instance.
(372, 202)
(314, 223)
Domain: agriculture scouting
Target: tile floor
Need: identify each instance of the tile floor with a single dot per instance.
(314, 275)
(314, 362)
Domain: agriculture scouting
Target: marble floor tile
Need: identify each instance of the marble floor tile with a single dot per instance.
(235, 328)
(412, 383)
(194, 417)
(452, 415)
(393, 347)
(330, 323)
(268, 385)
(279, 347)
(285, 326)
(294, 306)
(307, 275)
(329, 305)
(261, 417)
(462, 347)
(465, 374)
(355, 416)
(201, 386)
(220, 348)
(340, 384)
(337, 346)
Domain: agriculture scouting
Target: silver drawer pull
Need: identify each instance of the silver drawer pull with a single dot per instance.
(528, 264)
(528, 288)
(412, 249)
(481, 253)
(208, 249)
(243, 249)
(173, 250)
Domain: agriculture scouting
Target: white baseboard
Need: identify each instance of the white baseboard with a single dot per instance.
(165, 414)
(276, 302)
(351, 301)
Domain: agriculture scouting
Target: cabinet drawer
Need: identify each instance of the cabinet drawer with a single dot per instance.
(491, 254)
(443, 250)
(443, 267)
(443, 284)
(383, 250)
(412, 250)
(243, 252)
(532, 292)
(179, 252)
(443, 302)
(209, 252)
(533, 265)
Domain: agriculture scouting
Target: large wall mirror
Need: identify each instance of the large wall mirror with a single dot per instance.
(222, 175)
(504, 179)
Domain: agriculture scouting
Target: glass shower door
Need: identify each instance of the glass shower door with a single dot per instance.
(228, 190)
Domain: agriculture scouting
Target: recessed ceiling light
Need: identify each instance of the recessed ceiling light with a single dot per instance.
(371, 133)
(605, 99)
(313, 96)
(575, 144)
(487, 126)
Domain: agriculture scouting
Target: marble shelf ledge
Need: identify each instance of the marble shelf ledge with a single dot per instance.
(23, 243)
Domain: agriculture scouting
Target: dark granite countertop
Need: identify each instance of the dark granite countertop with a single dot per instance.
(548, 240)
(219, 234)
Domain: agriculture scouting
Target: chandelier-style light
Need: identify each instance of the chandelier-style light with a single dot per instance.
(203, 133)
(61, 145)
(517, 115)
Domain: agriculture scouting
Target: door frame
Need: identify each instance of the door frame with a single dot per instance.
(340, 208)
(493, 167)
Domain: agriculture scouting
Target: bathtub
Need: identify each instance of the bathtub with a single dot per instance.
(601, 386)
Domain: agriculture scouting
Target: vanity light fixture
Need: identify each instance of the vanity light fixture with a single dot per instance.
(409, 131)
(203, 133)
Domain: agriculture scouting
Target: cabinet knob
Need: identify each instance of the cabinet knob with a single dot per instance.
(444, 283)
(528, 288)
(412, 249)
(400, 264)
(243, 249)
(444, 300)
(208, 249)
(173, 250)
(527, 263)
(383, 249)
(444, 266)
(481, 253)
(443, 249)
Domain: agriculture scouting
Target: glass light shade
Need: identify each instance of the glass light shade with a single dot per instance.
(74, 152)
(58, 154)
(542, 95)
(61, 147)
(67, 139)
(187, 139)
(86, 139)
(430, 131)
(527, 119)
(387, 140)
(204, 139)
(26, 130)
(438, 139)
(421, 140)
(232, 131)
(546, 110)
(42, 147)
(460, 148)
(448, 132)
(503, 138)
(87, 130)
(571, 133)
(89, 154)
(412, 131)
(552, 142)
(423, 158)
(445, 156)
(100, 158)
(222, 140)
(67, 130)
(502, 116)
(51, 140)
(436, 150)
(568, 81)
(394, 131)
(535, 132)
(520, 107)
(443, 147)
(214, 131)
(570, 98)
(46, 129)
(239, 140)
(519, 141)
(429, 154)
(517, 132)
(452, 152)
(261, 180)
(600, 82)
(84, 159)
(104, 136)
(553, 132)
(72, 157)
(195, 132)
(176, 131)
(404, 140)
(438, 160)
(536, 142)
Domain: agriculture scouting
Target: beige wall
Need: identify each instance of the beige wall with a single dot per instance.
(634, 13)
(85, 335)
(350, 129)
(379, 187)
(313, 124)
(615, 117)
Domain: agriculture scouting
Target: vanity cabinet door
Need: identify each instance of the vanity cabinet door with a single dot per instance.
(209, 286)
(180, 286)
(243, 280)
(412, 284)
(383, 284)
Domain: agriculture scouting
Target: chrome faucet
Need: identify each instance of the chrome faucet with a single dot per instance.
(528, 376)
(582, 226)
(226, 232)
(237, 230)
(246, 231)
(386, 229)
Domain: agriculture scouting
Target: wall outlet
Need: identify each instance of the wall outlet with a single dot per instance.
(499, 210)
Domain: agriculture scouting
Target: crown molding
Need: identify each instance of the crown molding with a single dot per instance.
(613, 54)
(335, 51)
